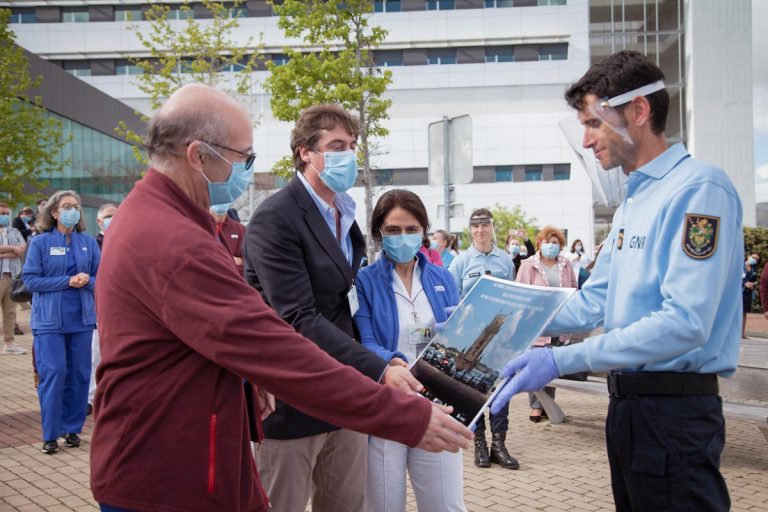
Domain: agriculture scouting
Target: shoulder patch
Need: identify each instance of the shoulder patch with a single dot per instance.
(700, 235)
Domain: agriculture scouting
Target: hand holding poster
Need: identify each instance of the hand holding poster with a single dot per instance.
(495, 322)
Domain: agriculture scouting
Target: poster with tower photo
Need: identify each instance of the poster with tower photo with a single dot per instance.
(496, 321)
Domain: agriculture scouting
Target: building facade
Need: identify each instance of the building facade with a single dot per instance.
(506, 63)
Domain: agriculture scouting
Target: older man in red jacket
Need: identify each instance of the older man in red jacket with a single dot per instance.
(180, 329)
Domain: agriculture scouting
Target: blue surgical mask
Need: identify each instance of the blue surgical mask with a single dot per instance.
(514, 250)
(402, 248)
(550, 250)
(5, 219)
(340, 171)
(228, 191)
(105, 223)
(69, 218)
(26, 218)
(220, 209)
(752, 261)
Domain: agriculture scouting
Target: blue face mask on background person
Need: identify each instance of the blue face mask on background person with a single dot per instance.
(752, 261)
(5, 219)
(26, 218)
(402, 248)
(550, 250)
(225, 192)
(514, 250)
(69, 218)
(220, 209)
(105, 223)
(340, 171)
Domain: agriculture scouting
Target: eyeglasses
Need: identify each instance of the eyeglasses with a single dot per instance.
(249, 157)
(69, 206)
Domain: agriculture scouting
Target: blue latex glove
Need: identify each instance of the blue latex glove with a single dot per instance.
(530, 371)
(441, 325)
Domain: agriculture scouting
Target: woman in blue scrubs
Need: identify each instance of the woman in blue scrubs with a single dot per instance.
(60, 271)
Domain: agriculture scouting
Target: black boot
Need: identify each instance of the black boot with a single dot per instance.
(481, 451)
(499, 453)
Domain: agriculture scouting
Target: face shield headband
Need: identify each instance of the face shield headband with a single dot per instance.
(610, 184)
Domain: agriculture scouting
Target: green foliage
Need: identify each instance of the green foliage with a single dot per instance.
(505, 219)
(30, 139)
(756, 241)
(190, 51)
(340, 68)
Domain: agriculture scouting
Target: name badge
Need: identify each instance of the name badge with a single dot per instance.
(474, 274)
(235, 235)
(354, 303)
(58, 251)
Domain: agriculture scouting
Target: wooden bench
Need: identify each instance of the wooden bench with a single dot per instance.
(593, 386)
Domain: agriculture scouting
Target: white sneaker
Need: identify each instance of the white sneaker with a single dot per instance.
(13, 348)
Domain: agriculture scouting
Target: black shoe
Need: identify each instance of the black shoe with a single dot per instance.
(499, 453)
(481, 451)
(71, 440)
(17, 330)
(89, 410)
(50, 447)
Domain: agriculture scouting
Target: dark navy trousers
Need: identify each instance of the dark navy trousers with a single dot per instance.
(664, 453)
(499, 422)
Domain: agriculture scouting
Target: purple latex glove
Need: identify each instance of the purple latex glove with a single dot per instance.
(441, 325)
(530, 371)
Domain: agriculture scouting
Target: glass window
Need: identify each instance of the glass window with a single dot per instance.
(125, 67)
(551, 2)
(387, 6)
(279, 59)
(504, 173)
(78, 67)
(387, 58)
(23, 16)
(441, 5)
(499, 54)
(558, 51)
(489, 4)
(185, 13)
(441, 56)
(132, 13)
(562, 172)
(75, 15)
(237, 12)
(533, 173)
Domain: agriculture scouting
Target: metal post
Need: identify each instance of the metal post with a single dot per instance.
(447, 173)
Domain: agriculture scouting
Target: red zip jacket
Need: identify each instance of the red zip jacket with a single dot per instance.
(179, 330)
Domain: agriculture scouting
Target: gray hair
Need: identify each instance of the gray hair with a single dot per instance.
(169, 132)
(45, 220)
(103, 208)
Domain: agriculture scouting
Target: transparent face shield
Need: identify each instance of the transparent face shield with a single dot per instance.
(613, 140)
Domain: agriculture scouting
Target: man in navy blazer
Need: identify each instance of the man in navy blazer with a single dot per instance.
(302, 251)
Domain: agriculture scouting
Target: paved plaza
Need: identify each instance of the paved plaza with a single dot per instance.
(563, 467)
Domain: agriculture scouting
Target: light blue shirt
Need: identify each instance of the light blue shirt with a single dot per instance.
(346, 206)
(470, 265)
(668, 296)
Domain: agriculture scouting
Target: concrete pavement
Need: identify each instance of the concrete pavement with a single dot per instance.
(563, 467)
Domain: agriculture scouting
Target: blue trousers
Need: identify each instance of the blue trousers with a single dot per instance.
(63, 362)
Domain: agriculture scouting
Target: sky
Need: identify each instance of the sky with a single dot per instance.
(760, 96)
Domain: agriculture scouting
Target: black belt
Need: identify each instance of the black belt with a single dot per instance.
(622, 385)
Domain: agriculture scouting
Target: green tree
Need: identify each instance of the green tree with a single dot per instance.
(30, 138)
(338, 69)
(191, 51)
(505, 219)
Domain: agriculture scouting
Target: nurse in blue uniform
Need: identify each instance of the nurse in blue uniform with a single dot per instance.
(60, 271)
(666, 287)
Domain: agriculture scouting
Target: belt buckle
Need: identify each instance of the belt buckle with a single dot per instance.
(613, 385)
